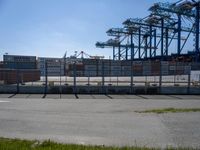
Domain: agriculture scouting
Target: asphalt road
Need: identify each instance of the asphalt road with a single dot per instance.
(101, 119)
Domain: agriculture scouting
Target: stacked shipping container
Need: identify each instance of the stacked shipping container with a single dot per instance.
(12, 76)
(90, 67)
(19, 62)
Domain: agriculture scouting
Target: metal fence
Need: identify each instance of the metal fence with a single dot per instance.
(129, 78)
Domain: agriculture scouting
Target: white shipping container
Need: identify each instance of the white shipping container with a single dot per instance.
(195, 76)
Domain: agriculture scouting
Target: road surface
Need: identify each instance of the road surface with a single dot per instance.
(101, 119)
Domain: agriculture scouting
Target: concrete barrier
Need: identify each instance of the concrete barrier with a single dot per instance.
(99, 90)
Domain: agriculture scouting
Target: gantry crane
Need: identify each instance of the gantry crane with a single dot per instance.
(183, 9)
(152, 36)
(84, 55)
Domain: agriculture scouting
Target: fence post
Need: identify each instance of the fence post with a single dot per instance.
(103, 79)
(60, 89)
(175, 71)
(132, 58)
(46, 77)
(66, 79)
(189, 80)
(160, 78)
(117, 80)
(74, 72)
(17, 78)
(88, 83)
(146, 84)
(17, 81)
(131, 77)
(32, 78)
(88, 80)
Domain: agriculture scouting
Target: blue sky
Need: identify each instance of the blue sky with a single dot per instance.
(51, 27)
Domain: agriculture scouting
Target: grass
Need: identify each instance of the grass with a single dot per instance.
(16, 144)
(170, 110)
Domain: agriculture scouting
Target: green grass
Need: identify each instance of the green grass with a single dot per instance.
(16, 144)
(170, 110)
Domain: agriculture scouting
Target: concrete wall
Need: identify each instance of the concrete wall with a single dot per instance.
(99, 89)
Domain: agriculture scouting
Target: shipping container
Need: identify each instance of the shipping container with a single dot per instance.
(164, 68)
(165, 72)
(172, 68)
(146, 68)
(155, 68)
(126, 73)
(195, 66)
(115, 63)
(90, 67)
(164, 63)
(90, 61)
(180, 67)
(146, 73)
(105, 62)
(116, 73)
(90, 73)
(146, 63)
(117, 68)
(126, 68)
(137, 73)
(155, 73)
(14, 76)
(126, 63)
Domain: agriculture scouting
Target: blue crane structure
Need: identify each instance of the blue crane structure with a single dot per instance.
(154, 37)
